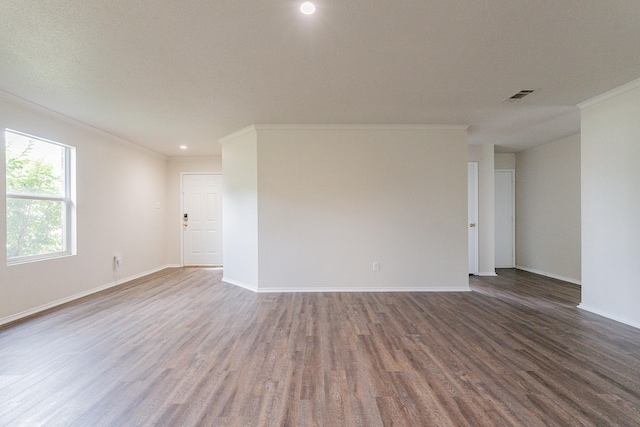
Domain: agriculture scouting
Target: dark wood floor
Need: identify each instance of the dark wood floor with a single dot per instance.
(181, 348)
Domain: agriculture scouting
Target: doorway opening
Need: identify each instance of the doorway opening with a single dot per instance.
(505, 237)
(472, 188)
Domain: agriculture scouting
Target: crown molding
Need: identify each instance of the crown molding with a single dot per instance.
(266, 127)
(32, 107)
(611, 94)
(225, 139)
(359, 127)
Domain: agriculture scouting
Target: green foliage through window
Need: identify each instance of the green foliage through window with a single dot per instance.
(37, 196)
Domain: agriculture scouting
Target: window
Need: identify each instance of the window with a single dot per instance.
(40, 198)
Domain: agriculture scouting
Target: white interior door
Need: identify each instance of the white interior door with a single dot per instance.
(505, 221)
(202, 219)
(473, 216)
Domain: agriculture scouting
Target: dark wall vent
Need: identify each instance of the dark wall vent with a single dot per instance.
(518, 96)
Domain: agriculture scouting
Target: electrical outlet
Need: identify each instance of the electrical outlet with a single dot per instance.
(117, 260)
(376, 266)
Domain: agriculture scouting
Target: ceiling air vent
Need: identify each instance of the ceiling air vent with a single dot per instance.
(518, 96)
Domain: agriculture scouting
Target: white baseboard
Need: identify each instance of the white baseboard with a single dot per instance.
(609, 316)
(213, 267)
(61, 301)
(553, 276)
(240, 284)
(340, 289)
(489, 273)
(346, 289)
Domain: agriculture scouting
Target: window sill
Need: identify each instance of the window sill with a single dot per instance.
(37, 258)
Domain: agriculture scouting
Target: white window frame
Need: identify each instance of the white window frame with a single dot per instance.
(69, 200)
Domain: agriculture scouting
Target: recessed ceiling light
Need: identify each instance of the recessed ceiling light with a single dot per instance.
(307, 8)
(183, 147)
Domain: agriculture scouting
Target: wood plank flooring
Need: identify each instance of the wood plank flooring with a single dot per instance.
(180, 348)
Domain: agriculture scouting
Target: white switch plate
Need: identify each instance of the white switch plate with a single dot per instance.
(376, 266)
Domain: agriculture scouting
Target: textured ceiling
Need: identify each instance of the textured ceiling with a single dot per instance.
(161, 73)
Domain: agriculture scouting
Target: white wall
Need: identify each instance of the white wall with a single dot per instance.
(505, 160)
(334, 199)
(177, 166)
(611, 204)
(240, 208)
(484, 155)
(118, 185)
(548, 209)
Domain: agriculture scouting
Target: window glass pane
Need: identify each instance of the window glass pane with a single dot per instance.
(34, 167)
(34, 227)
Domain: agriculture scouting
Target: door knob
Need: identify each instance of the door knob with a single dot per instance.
(472, 225)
